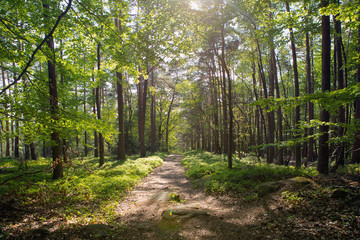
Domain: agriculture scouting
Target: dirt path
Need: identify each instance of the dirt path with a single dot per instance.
(222, 217)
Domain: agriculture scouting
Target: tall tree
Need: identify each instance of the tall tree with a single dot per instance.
(153, 116)
(120, 99)
(297, 89)
(323, 162)
(54, 102)
(98, 106)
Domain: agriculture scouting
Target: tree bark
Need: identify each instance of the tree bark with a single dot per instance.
(54, 105)
(7, 139)
(297, 91)
(323, 162)
(86, 151)
(168, 121)
(142, 92)
(153, 116)
(341, 85)
(310, 152)
(121, 143)
(120, 99)
(98, 108)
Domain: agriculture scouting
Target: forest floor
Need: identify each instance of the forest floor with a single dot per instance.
(166, 205)
(200, 215)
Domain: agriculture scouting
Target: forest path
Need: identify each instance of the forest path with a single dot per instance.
(225, 218)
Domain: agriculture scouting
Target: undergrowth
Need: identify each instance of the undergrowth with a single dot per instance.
(87, 193)
(211, 172)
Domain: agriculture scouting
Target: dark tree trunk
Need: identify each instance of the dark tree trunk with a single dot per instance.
(96, 139)
(98, 108)
(341, 85)
(120, 99)
(271, 114)
(153, 116)
(86, 151)
(279, 111)
(121, 143)
(216, 145)
(54, 105)
(7, 139)
(33, 151)
(297, 91)
(142, 92)
(27, 152)
(310, 152)
(231, 115)
(323, 162)
(168, 121)
(225, 140)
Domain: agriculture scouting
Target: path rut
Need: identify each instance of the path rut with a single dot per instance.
(226, 218)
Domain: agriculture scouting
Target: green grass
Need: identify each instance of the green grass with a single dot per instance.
(86, 193)
(211, 172)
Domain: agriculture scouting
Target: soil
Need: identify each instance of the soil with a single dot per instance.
(222, 217)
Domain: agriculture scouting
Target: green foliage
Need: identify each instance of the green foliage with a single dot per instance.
(246, 175)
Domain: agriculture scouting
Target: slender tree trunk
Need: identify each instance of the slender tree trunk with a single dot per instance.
(168, 121)
(96, 139)
(86, 151)
(153, 116)
(323, 162)
(271, 114)
(121, 144)
(142, 90)
(341, 85)
(297, 91)
(98, 107)
(120, 98)
(7, 128)
(310, 152)
(225, 140)
(231, 115)
(279, 112)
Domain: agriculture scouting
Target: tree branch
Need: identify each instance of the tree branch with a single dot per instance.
(38, 48)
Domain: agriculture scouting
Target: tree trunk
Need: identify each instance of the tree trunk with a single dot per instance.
(310, 152)
(98, 108)
(54, 105)
(297, 91)
(323, 162)
(168, 121)
(153, 116)
(231, 115)
(121, 143)
(279, 111)
(85, 133)
(7, 145)
(142, 90)
(33, 151)
(225, 140)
